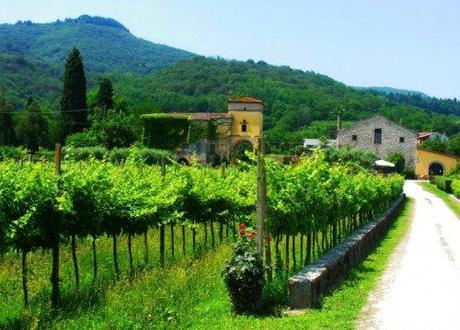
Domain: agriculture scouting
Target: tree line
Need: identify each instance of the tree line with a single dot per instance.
(94, 119)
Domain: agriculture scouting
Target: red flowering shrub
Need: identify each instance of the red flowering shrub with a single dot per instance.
(242, 229)
(243, 274)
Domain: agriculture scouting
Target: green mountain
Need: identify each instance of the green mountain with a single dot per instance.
(298, 104)
(105, 44)
(391, 90)
(22, 77)
(149, 77)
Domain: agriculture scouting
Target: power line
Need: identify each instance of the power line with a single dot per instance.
(47, 112)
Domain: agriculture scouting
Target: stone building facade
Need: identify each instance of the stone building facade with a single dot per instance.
(381, 136)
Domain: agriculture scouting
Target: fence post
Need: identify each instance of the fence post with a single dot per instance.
(261, 197)
(55, 296)
(162, 226)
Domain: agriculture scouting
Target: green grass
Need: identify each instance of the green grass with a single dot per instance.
(447, 198)
(188, 294)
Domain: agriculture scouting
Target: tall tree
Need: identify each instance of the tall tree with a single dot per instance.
(74, 113)
(32, 130)
(105, 94)
(6, 121)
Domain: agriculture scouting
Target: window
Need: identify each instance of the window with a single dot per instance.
(401, 139)
(378, 136)
(354, 137)
(244, 126)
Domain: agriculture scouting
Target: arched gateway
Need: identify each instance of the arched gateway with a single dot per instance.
(436, 168)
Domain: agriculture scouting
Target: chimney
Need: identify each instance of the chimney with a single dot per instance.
(339, 125)
(339, 120)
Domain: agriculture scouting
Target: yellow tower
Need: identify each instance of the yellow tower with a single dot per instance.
(247, 117)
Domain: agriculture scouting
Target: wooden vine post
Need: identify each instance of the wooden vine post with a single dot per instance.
(55, 296)
(261, 198)
(261, 210)
(162, 226)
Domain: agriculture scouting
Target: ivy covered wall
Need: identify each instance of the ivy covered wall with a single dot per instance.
(166, 131)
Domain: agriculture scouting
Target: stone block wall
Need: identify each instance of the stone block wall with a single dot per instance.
(306, 288)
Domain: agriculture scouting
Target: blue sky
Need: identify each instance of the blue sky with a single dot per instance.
(399, 43)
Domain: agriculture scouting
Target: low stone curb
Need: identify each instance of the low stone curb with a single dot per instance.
(306, 288)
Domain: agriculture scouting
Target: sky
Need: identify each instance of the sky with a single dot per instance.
(409, 44)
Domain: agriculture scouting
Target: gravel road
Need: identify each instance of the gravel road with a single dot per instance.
(421, 287)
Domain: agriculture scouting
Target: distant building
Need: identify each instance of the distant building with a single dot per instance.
(423, 136)
(381, 136)
(313, 143)
(240, 126)
(433, 163)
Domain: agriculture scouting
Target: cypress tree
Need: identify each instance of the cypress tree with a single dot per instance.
(74, 114)
(105, 94)
(32, 130)
(6, 122)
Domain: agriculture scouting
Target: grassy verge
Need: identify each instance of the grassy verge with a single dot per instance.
(447, 198)
(188, 294)
(340, 309)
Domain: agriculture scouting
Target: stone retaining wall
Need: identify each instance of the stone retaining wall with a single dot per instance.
(306, 287)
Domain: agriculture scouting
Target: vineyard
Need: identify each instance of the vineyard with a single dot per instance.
(310, 208)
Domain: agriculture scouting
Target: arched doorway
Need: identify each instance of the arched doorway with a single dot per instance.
(436, 169)
(183, 161)
(239, 150)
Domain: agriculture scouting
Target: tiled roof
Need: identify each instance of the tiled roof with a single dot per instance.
(243, 99)
(422, 135)
(203, 116)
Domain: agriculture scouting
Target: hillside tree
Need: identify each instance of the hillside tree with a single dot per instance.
(453, 145)
(74, 113)
(6, 121)
(32, 130)
(105, 94)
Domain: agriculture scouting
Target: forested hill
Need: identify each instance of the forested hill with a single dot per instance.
(22, 77)
(298, 104)
(106, 45)
(149, 77)
(391, 90)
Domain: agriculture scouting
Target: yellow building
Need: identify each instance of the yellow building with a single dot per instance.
(433, 163)
(238, 128)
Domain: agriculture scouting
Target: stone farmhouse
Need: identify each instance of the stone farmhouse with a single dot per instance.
(381, 136)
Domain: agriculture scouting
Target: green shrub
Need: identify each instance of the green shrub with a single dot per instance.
(148, 156)
(455, 171)
(409, 173)
(86, 153)
(7, 152)
(243, 274)
(397, 158)
(151, 156)
(118, 155)
(82, 139)
(456, 188)
(348, 155)
(443, 183)
(44, 155)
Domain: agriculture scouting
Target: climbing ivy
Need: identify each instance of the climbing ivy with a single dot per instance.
(165, 131)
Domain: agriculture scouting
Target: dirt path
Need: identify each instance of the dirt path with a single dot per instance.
(421, 287)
